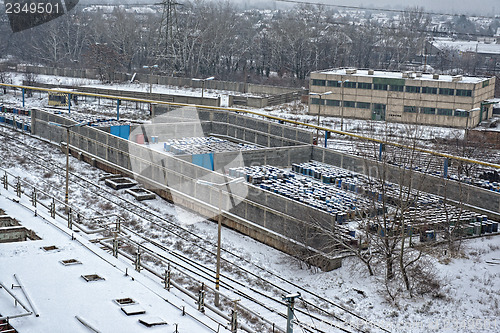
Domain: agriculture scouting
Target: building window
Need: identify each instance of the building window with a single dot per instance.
(332, 102)
(349, 104)
(412, 89)
(364, 85)
(461, 113)
(486, 83)
(316, 101)
(428, 110)
(363, 105)
(445, 112)
(378, 86)
(317, 82)
(411, 109)
(333, 83)
(396, 88)
(446, 91)
(429, 90)
(463, 92)
(349, 84)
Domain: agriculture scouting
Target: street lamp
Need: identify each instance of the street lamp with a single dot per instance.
(203, 85)
(67, 127)
(320, 95)
(342, 105)
(150, 81)
(219, 228)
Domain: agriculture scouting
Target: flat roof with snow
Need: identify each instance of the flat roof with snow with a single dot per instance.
(399, 75)
(67, 301)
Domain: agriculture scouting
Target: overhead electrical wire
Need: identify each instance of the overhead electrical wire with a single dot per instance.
(378, 9)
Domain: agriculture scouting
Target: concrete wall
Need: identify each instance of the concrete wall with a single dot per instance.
(474, 197)
(240, 87)
(263, 215)
(240, 126)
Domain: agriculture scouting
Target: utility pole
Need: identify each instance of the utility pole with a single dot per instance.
(320, 95)
(67, 127)
(290, 300)
(219, 228)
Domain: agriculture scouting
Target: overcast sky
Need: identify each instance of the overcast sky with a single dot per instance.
(483, 7)
(467, 7)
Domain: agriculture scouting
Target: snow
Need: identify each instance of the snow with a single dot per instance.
(469, 296)
(17, 78)
(467, 46)
(398, 75)
(60, 293)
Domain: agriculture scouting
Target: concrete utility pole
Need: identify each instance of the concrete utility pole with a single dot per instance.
(150, 81)
(203, 85)
(290, 300)
(320, 95)
(67, 127)
(219, 228)
(342, 82)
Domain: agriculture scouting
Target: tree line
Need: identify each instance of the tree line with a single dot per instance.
(215, 38)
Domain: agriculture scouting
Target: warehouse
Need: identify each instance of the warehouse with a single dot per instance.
(408, 97)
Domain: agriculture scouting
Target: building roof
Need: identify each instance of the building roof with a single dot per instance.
(466, 46)
(62, 296)
(399, 75)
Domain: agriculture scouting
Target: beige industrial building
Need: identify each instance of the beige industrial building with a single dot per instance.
(408, 97)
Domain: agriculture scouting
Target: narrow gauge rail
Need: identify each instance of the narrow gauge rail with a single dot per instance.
(184, 234)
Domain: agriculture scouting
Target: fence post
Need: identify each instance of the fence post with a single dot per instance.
(5, 181)
(53, 208)
(115, 246)
(18, 186)
(445, 168)
(201, 298)
(138, 260)
(70, 218)
(167, 278)
(33, 197)
(234, 321)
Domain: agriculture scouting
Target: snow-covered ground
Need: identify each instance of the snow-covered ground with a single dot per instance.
(468, 300)
(60, 293)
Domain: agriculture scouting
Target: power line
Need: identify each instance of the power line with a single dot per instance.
(376, 9)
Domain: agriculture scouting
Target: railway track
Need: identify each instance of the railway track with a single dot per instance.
(266, 304)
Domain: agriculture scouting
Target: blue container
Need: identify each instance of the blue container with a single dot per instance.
(494, 226)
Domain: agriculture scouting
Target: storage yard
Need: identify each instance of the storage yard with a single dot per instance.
(293, 192)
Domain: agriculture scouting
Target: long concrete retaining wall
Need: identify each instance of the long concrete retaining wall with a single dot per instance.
(270, 95)
(275, 220)
(249, 129)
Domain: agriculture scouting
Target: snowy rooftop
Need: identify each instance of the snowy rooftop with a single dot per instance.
(60, 293)
(399, 75)
(467, 46)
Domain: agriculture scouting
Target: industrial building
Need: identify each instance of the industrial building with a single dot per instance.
(408, 97)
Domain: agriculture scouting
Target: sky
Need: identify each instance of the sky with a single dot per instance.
(477, 7)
